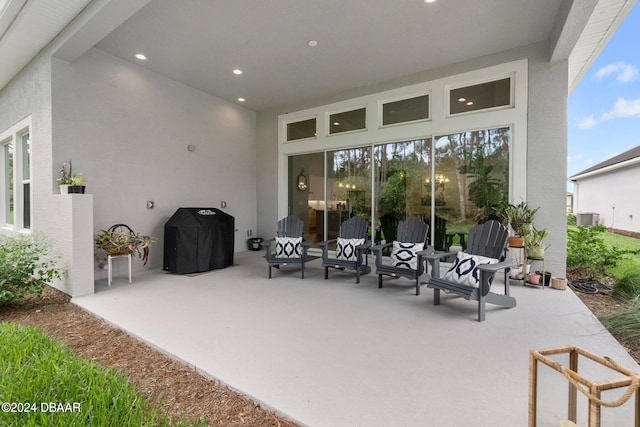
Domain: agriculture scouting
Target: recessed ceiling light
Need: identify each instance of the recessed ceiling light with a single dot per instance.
(241, 99)
(430, 1)
(312, 43)
(141, 57)
(237, 72)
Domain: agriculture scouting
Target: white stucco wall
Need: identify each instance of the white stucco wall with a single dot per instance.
(611, 195)
(546, 141)
(128, 129)
(56, 217)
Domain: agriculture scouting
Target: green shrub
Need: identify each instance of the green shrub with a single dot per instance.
(627, 287)
(588, 257)
(27, 263)
(39, 372)
(571, 219)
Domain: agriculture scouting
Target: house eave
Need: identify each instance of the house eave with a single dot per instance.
(606, 169)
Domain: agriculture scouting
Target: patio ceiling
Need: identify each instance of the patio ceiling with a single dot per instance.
(359, 42)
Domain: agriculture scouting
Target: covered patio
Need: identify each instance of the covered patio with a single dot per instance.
(336, 353)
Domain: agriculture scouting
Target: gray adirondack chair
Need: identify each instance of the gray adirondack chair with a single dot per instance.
(290, 226)
(412, 230)
(486, 240)
(353, 228)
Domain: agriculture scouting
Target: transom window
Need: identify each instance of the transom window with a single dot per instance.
(405, 110)
(301, 130)
(482, 96)
(347, 121)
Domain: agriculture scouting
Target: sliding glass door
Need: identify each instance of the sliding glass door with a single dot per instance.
(471, 177)
(348, 187)
(452, 182)
(402, 189)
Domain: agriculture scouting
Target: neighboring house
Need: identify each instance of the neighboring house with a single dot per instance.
(337, 95)
(569, 202)
(604, 192)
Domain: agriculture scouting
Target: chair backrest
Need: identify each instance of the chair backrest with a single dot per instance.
(291, 226)
(487, 239)
(354, 228)
(389, 225)
(412, 230)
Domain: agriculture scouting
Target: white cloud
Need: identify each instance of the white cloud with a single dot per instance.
(624, 72)
(624, 109)
(574, 158)
(587, 122)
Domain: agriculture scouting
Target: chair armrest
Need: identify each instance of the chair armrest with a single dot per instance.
(365, 245)
(492, 268)
(429, 250)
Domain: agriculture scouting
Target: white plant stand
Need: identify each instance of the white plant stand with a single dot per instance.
(110, 269)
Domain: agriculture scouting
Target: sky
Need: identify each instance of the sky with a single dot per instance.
(604, 109)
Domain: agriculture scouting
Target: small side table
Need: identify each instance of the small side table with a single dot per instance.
(109, 266)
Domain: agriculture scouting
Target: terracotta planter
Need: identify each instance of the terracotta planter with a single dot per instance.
(515, 242)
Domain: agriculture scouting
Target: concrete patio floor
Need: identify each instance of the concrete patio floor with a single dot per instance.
(336, 353)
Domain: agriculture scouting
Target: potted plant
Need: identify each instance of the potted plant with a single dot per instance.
(533, 242)
(70, 182)
(78, 183)
(121, 240)
(520, 218)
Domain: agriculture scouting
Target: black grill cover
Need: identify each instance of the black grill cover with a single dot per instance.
(197, 240)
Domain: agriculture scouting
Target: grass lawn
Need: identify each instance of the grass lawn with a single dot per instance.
(43, 383)
(629, 262)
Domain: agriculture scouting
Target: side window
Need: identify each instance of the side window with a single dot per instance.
(7, 183)
(26, 180)
(15, 176)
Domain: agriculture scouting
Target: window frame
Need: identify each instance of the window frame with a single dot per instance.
(495, 78)
(346, 110)
(285, 129)
(14, 135)
(383, 102)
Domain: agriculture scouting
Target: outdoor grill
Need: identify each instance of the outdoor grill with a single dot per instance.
(197, 240)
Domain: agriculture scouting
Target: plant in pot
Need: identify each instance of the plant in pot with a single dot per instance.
(520, 218)
(78, 183)
(122, 240)
(533, 242)
(69, 182)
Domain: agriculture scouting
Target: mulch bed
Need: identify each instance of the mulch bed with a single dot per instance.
(601, 303)
(179, 388)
